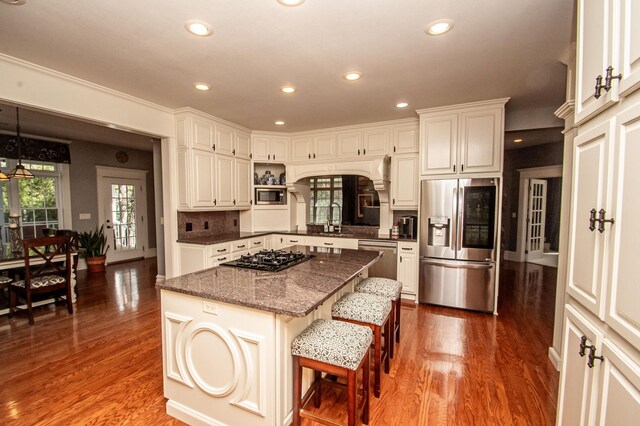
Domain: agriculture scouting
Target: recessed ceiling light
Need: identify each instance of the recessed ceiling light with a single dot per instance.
(199, 28)
(440, 26)
(353, 75)
(202, 86)
(14, 2)
(291, 3)
(279, 123)
(517, 140)
(287, 89)
(402, 105)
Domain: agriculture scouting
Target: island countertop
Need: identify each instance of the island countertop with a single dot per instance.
(295, 291)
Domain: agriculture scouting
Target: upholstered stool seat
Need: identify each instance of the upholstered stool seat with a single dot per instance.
(392, 290)
(5, 280)
(374, 312)
(45, 281)
(337, 348)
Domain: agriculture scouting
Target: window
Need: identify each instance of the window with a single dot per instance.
(37, 200)
(325, 199)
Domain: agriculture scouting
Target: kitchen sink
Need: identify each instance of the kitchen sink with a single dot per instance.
(334, 234)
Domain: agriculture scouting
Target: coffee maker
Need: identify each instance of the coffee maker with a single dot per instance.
(408, 227)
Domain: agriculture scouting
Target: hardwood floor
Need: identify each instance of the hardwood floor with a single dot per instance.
(102, 365)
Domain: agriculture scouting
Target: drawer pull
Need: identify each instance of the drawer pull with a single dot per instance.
(257, 243)
(407, 248)
(222, 258)
(221, 250)
(328, 244)
(293, 241)
(241, 246)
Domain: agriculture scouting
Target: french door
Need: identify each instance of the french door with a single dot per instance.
(536, 218)
(123, 213)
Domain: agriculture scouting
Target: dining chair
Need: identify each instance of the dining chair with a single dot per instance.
(47, 270)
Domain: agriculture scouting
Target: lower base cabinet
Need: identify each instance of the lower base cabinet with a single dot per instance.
(408, 269)
(599, 384)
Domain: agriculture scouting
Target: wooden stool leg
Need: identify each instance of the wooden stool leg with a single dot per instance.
(388, 345)
(318, 391)
(297, 390)
(376, 361)
(29, 308)
(365, 388)
(12, 301)
(397, 332)
(392, 317)
(351, 392)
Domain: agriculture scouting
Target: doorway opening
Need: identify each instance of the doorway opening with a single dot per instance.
(539, 215)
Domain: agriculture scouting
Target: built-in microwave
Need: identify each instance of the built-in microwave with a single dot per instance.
(276, 196)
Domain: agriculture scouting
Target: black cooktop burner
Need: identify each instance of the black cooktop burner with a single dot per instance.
(269, 260)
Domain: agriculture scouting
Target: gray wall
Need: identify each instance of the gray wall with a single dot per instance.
(536, 156)
(85, 157)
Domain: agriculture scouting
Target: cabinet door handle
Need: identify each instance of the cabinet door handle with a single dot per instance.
(328, 244)
(364, 151)
(394, 149)
(309, 156)
(599, 87)
(221, 250)
(251, 155)
(583, 345)
(358, 151)
(601, 220)
(608, 77)
(269, 157)
(407, 248)
(215, 202)
(274, 156)
(592, 220)
(314, 155)
(214, 147)
(400, 259)
(251, 202)
(593, 357)
(234, 152)
(461, 168)
(394, 201)
(454, 168)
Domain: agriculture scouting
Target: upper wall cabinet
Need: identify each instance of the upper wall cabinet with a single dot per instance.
(270, 148)
(305, 148)
(608, 54)
(405, 139)
(462, 139)
(369, 142)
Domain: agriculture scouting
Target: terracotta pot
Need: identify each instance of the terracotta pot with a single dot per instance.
(96, 264)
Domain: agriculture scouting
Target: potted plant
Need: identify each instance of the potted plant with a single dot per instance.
(93, 246)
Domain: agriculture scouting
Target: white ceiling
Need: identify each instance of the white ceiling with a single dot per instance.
(496, 49)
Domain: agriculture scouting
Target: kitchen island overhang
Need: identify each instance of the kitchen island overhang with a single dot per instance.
(226, 335)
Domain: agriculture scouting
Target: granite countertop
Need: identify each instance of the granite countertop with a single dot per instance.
(225, 238)
(295, 291)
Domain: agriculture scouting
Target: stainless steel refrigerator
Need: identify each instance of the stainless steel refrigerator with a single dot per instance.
(458, 243)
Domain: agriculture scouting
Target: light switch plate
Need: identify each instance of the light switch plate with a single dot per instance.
(84, 216)
(210, 307)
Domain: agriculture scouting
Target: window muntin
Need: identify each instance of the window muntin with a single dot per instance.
(325, 191)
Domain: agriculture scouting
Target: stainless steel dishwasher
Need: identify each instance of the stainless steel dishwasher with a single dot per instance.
(387, 266)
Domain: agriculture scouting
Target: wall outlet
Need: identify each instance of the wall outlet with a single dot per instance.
(235, 222)
(206, 224)
(189, 227)
(210, 307)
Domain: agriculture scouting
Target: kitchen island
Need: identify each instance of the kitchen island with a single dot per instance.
(226, 335)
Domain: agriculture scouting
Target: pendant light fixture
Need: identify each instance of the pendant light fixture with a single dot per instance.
(19, 172)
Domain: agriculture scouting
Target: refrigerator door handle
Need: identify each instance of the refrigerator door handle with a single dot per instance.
(456, 264)
(453, 227)
(460, 221)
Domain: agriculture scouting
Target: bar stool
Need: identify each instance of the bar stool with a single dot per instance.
(337, 348)
(374, 312)
(392, 290)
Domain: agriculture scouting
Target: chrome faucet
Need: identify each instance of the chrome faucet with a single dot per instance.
(338, 227)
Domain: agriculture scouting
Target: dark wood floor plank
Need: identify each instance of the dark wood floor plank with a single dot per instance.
(103, 364)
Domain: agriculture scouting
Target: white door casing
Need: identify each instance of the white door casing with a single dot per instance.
(536, 218)
(122, 209)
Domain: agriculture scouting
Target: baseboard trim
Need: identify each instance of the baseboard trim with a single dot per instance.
(554, 356)
(511, 255)
(151, 252)
(160, 278)
(189, 416)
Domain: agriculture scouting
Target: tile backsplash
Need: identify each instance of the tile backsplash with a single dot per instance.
(203, 224)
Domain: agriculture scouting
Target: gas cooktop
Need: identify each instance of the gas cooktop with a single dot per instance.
(269, 260)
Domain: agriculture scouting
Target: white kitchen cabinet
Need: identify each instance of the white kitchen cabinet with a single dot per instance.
(622, 308)
(203, 135)
(587, 246)
(313, 148)
(408, 268)
(606, 38)
(242, 145)
(619, 397)
(331, 242)
(192, 258)
(244, 177)
(270, 148)
(204, 180)
(225, 182)
(405, 139)
(183, 174)
(361, 143)
(225, 141)
(578, 381)
(256, 244)
(462, 139)
(404, 182)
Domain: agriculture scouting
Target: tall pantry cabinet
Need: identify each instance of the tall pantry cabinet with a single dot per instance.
(600, 370)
